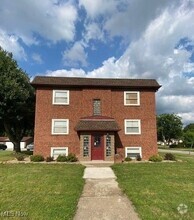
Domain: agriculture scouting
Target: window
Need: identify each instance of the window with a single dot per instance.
(133, 152)
(131, 98)
(60, 126)
(60, 97)
(108, 145)
(85, 146)
(56, 151)
(96, 107)
(97, 141)
(132, 126)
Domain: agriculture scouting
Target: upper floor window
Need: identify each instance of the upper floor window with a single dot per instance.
(132, 126)
(60, 126)
(96, 107)
(131, 98)
(61, 97)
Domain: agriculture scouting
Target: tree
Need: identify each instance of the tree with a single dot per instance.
(189, 135)
(189, 139)
(189, 127)
(169, 126)
(17, 100)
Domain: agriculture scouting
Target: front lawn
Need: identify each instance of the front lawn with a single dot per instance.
(157, 189)
(6, 155)
(40, 191)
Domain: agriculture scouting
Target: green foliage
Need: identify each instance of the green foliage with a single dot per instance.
(169, 126)
(128, 159)
(179, 145)
(17, 100)
(169, 156)
(19, 156)
(155, 158)
(49, 159)
(189, 127)
(36, 158)
(71, 157)
(62, 158)
(138, 158)
(189, 138)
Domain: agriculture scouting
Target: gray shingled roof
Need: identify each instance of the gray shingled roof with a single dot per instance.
(97, 125)
(93, 82)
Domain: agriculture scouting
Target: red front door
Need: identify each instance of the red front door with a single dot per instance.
(97, 147)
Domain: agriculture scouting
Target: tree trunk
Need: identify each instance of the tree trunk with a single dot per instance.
(16, 147)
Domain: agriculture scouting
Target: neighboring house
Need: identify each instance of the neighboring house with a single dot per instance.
(97, 119)
(24, 142)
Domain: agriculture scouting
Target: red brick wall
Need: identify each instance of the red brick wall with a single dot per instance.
(81, 105)
(146, 113)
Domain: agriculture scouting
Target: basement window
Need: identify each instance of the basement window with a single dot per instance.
(133, 152)
(56, 151)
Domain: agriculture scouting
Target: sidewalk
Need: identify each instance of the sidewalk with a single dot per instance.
(102, 199)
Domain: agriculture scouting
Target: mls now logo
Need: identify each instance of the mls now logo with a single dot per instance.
(182, 209)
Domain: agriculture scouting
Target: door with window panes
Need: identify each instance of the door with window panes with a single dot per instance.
(97, 146)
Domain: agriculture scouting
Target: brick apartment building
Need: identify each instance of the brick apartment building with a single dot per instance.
(97, 119)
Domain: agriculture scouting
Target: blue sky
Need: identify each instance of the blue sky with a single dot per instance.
(112, 38)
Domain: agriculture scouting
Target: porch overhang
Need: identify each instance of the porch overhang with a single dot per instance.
(97, 123)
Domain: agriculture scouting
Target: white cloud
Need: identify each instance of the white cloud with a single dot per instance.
(98, 7)
(75, 55)
(10, 43)
(37, 58)
(67, 73)
(153, 55)
(51, 21)
(93, 32)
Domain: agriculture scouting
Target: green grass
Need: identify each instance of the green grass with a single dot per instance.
(157, 189)
(175, 148)
(6, 155)
(43, 191)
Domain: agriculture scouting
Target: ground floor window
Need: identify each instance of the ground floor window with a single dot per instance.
(86, 146)
(133, 152)
(56, 151)
(108, 145)
(132, 126)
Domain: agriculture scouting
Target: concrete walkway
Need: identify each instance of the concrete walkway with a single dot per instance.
(102, 199)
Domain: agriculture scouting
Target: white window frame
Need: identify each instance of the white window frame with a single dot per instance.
(133, 150)
(138, 98)
(64, 120)
(60, 103)
(139, 125)
(58, 148)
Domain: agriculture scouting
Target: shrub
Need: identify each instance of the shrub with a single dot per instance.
(138, 158)
(36, 158)
(128, 159)
(62, 158)
(19, 157)
(71, 158)
(169, 156)
(49, 159)
(155, 158)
